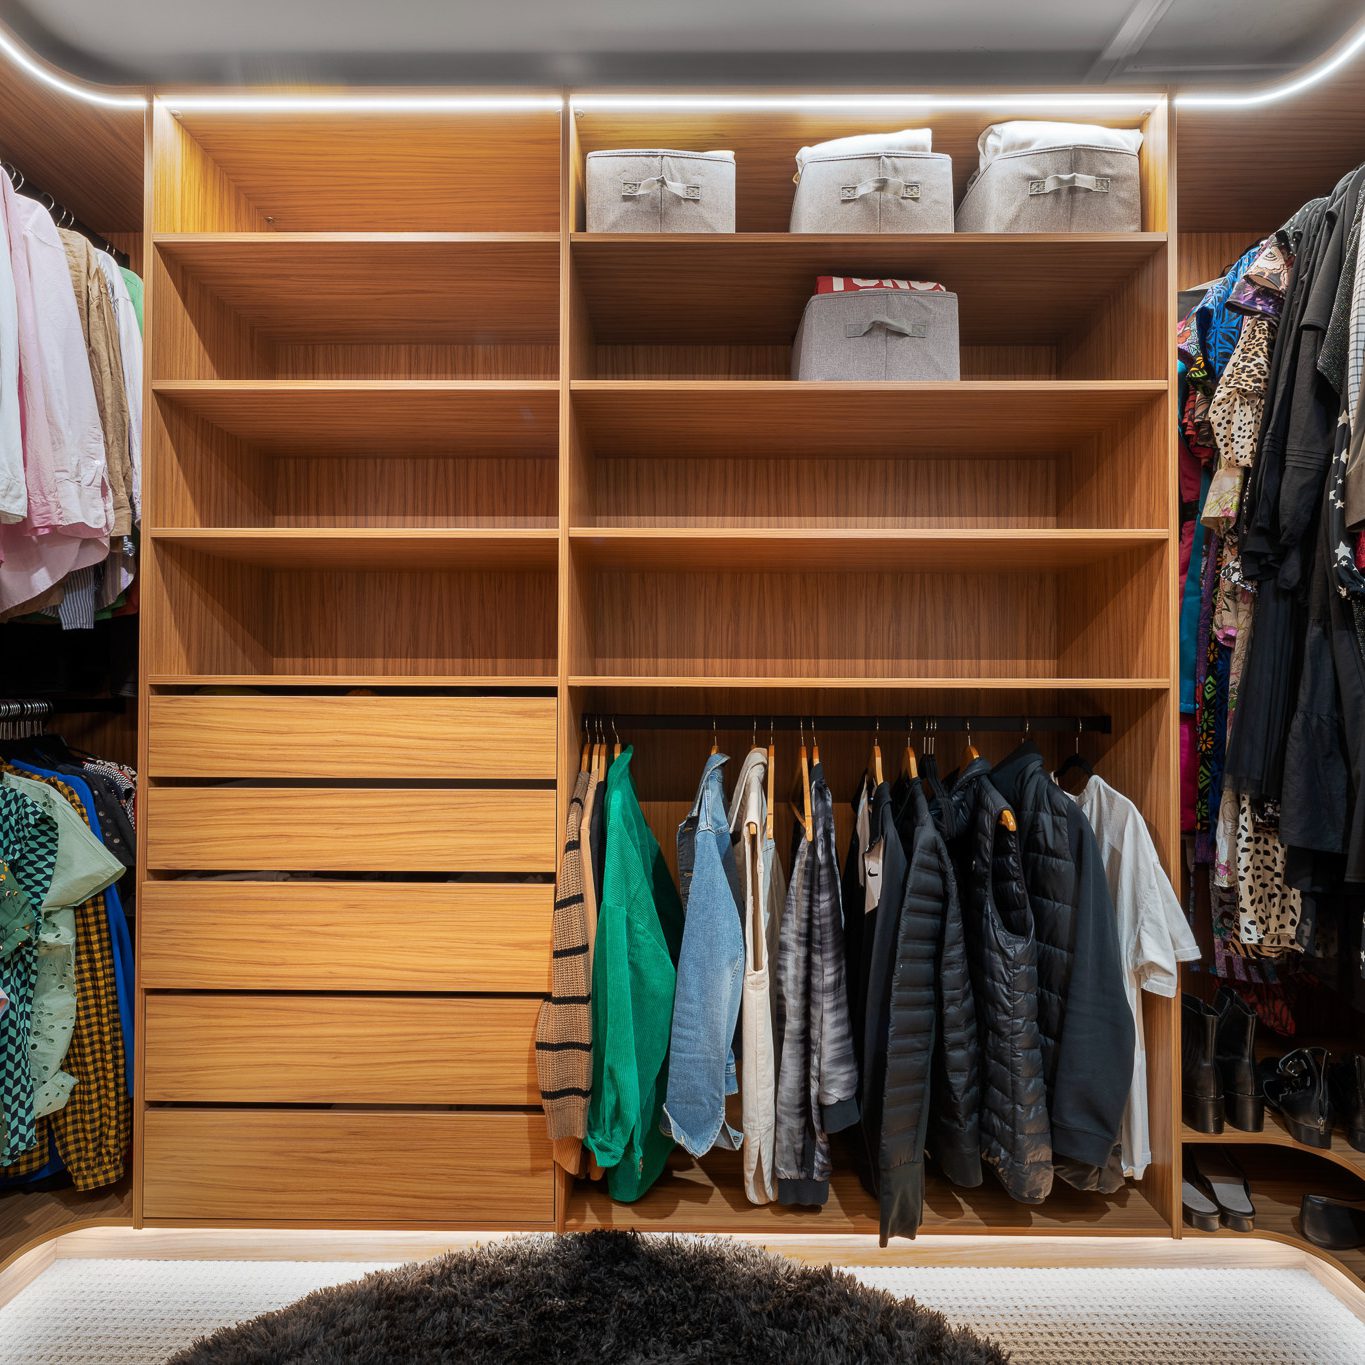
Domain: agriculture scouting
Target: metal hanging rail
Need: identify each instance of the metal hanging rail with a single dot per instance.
(63, 215)
(889, 721)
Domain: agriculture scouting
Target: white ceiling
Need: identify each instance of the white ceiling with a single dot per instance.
(874, 42)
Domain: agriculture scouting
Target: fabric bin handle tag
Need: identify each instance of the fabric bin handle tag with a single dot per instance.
(883, 184)
(1073, 180)
(902, 329)
(632, 189)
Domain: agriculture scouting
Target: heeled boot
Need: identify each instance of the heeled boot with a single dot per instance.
(1346, 1089)
(1203, 1095)
(1235, 1055)
(1296, 1085)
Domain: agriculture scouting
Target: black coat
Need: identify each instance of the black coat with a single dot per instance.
(1003, 954)
(1086, 1023)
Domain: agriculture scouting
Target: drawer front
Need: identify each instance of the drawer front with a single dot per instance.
(475, 738)
(352, 829)
(345, 936)
(309, 1049)
(342, 1168)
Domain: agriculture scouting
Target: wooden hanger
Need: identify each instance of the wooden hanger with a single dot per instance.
(910, 763)
(585, 760)
(715, 743)
(803, 814)
(970, 754)
(772, 783)
(814, 743)
(599, 752)
(1007, 820)
(877, 754)
(616, 748)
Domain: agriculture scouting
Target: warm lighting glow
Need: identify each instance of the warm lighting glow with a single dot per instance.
(359, 103)
(799, 103)
(1275, 93)
(90, 94)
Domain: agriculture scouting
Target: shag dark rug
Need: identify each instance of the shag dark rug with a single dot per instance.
(599, 1298)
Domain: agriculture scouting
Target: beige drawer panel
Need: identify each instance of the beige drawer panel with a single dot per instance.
(351, 829)
(348, 1049)
(340, 1168)
(475, 738)
(345, 936)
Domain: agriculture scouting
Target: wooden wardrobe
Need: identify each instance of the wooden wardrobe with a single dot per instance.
(432, 474)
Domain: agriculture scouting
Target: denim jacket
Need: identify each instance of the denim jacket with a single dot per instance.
(701, 1066)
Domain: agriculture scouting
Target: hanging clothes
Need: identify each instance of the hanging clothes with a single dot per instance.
(817, 1080)
(639, 935)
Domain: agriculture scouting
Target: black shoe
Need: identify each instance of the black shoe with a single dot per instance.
(1296, 1085)
(1198, 1075)
(1220, 1177)
(1332, 1223)
(1346, 1090)
(1235, 1056)
(1200, 1211)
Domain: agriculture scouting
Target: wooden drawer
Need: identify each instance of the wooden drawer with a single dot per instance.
(476, 738)
(342, 1168)
(350, 829)
(345, 936)
(340, 1049)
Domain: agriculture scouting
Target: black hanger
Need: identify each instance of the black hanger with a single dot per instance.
(1075, 762)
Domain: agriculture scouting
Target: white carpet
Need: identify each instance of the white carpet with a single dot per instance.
(98, 1312)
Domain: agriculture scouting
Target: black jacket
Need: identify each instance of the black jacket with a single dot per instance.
(1002, 951)
(912, 1025)
(1083, 1013)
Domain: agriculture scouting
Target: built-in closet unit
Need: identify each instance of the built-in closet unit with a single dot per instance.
(433, 474)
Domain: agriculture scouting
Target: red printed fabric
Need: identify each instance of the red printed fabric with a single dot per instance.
(849, 284)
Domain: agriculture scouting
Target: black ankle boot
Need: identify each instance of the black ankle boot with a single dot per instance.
(1296, 1085)
(1346, 1090)
(1198, 1074)
(1235, 1055)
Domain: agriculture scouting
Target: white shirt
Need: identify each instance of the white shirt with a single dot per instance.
(13, 489)
(130, 348)
(1154, 937)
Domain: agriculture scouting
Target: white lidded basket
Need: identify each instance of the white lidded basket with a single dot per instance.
(660, 190)
(874, 182)
(1054, 177)
(886, 330)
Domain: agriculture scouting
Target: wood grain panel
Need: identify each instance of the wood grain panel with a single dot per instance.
(367, 287)
(456, 936)
(784, 418)
(350, 829)
(444, 738)
(410, 360)
(1012, 289)
(430, 171)
(352, 1049)
(395, 417)
(341, 1168)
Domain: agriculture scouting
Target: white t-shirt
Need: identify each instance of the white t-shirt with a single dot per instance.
(1154, 937)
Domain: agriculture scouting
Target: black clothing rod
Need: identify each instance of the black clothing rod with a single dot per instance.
(37, 708)
(891, 722)
(63, 215)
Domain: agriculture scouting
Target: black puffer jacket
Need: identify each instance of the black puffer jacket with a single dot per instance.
(1083, 1013)
(1004, 961)
(912, 1025)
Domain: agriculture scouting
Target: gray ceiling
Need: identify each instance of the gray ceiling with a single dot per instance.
(633, 42)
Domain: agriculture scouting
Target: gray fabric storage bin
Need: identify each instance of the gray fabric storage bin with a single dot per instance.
(875, 191)
(1084, 183)
(660, 190)
(878, 334)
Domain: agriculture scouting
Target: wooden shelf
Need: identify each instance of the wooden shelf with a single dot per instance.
(423, 288)
(370, 548)
(973, 419)
(921, 551)
(31, 1217)
(864, 683)
(750, 288)
(332, 681)
(692, 1198)
(324, 418)
(1275, 1134)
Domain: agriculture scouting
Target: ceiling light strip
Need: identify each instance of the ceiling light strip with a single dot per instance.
(248, 103)
(49, 76)
(1349, 49)
(604, 103)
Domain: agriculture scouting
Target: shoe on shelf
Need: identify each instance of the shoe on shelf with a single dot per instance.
(1235, 1057)
(1296, 1085)
(1336, 1224)
(1200, 1211)
(1346, 1092)
(1199, 1084)
(1219, 1177)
